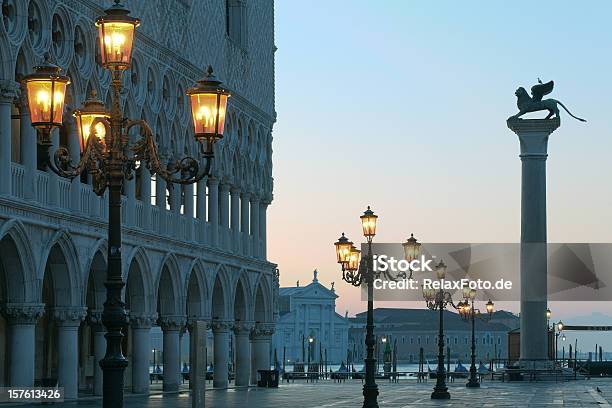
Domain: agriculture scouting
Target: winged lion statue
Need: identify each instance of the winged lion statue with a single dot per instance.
(534, 103)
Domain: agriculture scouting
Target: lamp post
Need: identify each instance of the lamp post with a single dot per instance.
(438, 300)
(468, 312)
(357, 271)
(559, 327)
(111, 160)
(310, 341)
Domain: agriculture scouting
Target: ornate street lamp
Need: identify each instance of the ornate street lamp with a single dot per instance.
(469, 312)
(357, 271)
(107, 155)
(412, 250)
(92, 109)
(46, 89)
(438, 300)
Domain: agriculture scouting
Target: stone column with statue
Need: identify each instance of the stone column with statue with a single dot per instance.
(533, 137)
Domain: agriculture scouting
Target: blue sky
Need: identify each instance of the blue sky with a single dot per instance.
(402, 105)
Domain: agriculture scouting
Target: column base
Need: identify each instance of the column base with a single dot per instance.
(472, 384)
(440, 393)
(370, 396)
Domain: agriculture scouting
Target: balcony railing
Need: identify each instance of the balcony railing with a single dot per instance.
(51, 192)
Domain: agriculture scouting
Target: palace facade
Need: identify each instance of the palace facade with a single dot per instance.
(189, 253)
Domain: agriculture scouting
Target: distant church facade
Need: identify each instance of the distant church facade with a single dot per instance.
(308, 323)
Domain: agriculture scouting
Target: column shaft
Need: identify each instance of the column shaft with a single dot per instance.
(68, 359)
(8, 92)
(213, 210)
(235, 218)
(145, 195)
(255, 226)
(221, 354)
(171, 359)
(263, 229)
(140, 359)
(533, 136)
(244, 222)
(224, 212)
(28, 151)
(243, 354)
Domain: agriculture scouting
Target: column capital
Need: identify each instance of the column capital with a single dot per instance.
(212, 181)
(263, 331)
(191, 320)
(142, 320)
(243, 328)
(94, 318)
(171, 322)
(245, 195)
(69, 316)
(221, 326)
(533, 135)
(23, 313)
(235, 190)
(9, 91)
(224, 187)
(254, 198)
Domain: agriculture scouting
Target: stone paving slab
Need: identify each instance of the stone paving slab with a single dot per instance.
(326, 394)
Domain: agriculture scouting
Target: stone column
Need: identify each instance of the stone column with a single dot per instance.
(175, 198)
(533, 136)
(160, 191)
(201, 199)
(171, 326)
(145, 194)
(141, 349)
(213, 210)
(261, 337)
(53, 188)
(99, 345)
(21, 319)
(221, 332)
(130, 202)
(8, 93)
(244, 221)
(263, 228)
(235, 218)
(75, 154)
(243, 353)
(68, 320)
(201, 208)
(224, 212)
(188, 209)
(255, 226)
(28, 149)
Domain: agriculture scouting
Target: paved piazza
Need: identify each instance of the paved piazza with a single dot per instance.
(327, 394)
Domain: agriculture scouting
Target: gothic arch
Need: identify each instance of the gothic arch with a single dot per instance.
(95, 293)
(242, 299)
(140, 292)
(220, 294)
(196, 292)
(262, 311)
(170, 298)
(66, 278)
(15, 247)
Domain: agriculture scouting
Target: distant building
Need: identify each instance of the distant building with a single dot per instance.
(310, 311)
(411, 329)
